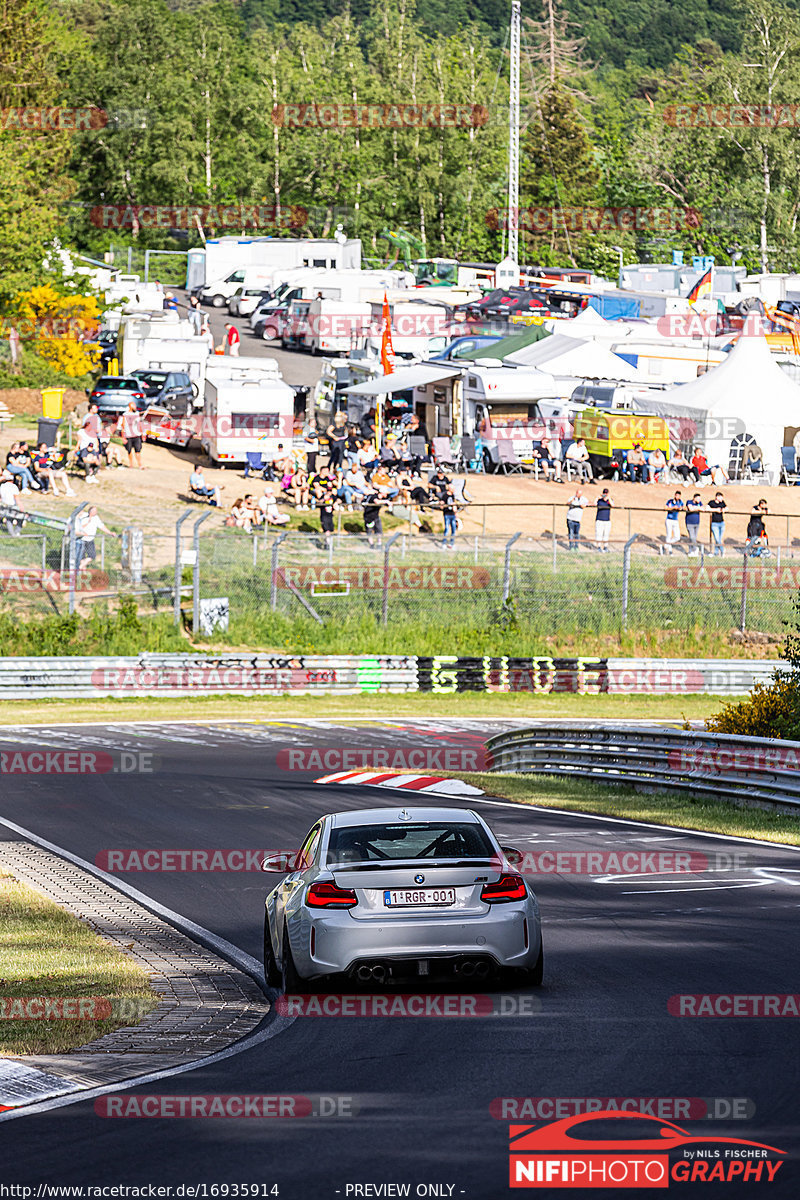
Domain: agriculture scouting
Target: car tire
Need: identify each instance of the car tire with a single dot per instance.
(217, 301)
(272, 972)
(534, 976)
(290, 980)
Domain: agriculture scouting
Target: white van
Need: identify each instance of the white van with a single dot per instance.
(219, 291)
(243, 415)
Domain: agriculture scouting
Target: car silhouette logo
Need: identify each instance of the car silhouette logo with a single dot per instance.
(419, 879)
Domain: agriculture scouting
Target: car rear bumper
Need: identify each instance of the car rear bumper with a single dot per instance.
(342, 942)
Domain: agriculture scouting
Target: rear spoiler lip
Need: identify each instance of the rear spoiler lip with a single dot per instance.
(390, 864)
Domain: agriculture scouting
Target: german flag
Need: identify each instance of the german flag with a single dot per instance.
(702, 287)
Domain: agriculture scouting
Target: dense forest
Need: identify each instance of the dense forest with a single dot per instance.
(193, 97)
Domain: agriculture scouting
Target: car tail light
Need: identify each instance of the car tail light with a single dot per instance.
(94, 394)
(328, 895)
(138, 395)
(507, 889)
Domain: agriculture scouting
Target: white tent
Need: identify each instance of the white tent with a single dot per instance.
(747, 397)
(579, 357)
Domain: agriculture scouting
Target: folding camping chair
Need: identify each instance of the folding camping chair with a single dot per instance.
(508, 462)
(443, 454)
(789, 472)
(255, 462)
(472, 455)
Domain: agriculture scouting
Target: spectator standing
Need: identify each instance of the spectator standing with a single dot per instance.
(205, 332)
(327, 486)
(672, 522)
(602, 521)
(693, 507)
(756, 528)
(195, 315)
(9, 498)
(130, 425)
(337, 436)
(311, 446)
(718, 506)
(86, 527)
(232, 340)
(575, 507)
(450, 520)
(373, 526)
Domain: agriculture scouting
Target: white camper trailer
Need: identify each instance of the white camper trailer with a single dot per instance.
(162, 342)
(246, 415)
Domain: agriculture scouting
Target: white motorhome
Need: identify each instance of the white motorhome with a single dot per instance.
(162, 341)
(665, 361)
(222, 256)
(246, 415)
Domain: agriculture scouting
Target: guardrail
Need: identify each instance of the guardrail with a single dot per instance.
(724, 765)
(279, 675)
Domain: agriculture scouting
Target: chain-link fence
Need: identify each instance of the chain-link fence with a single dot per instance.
(254, 587)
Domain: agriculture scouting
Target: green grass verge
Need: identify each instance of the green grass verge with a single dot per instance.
(660, 808)
(479, 705)
(49, 953)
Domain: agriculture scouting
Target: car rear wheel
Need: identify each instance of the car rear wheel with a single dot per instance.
(290, 980)
(535, 976)
(272, 972)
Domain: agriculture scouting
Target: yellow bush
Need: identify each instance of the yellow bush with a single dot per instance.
(772, 710)
(54, 326)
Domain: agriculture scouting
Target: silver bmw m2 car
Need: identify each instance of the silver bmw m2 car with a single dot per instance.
(390, 894)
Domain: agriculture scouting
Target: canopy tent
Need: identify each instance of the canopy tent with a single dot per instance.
(528, 336)
(579, 357)
(405, 378)
(746, 398)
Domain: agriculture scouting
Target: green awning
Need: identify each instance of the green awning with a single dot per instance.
(517, 341)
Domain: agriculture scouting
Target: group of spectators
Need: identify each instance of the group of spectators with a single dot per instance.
(639, 466)
(356, 476)
(38, 469)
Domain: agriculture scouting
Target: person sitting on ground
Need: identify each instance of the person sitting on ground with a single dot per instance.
(658, 465)
(368, 458)
(240, 515)
(49, 463)
(269, 507)
(251, 504)
(199, 487)
(353, 486)
(17, 466)
(352, 445)
(299, 490)
(88, 454)
(110, 452)
(637, 465)
(577, 456)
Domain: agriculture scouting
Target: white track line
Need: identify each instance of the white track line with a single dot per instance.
(225, 949)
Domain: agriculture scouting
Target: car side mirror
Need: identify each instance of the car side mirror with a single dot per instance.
(513, 855)
(281, 862)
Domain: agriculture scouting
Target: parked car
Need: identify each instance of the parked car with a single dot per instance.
(385, 893)
(113, 393)
(244, 300)
(271, 324)
(172, 390)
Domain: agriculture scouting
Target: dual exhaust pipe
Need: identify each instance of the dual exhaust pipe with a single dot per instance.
(480, 969)
(377, 972)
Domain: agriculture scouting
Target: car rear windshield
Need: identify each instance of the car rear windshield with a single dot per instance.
(115, 383)
(372, 843)
(153, 378)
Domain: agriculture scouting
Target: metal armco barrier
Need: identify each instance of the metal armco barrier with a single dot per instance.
(724, 765)
(278, 675)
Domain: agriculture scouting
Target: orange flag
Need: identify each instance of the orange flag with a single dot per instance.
(387, 350)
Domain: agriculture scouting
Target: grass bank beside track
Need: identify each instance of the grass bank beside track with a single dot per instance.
(681, 809)
(395, 706)
(48, 953)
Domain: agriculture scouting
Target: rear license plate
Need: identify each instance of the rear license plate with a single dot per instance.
(419, 897)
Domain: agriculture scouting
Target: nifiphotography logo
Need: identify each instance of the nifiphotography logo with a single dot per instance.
(614, 1149)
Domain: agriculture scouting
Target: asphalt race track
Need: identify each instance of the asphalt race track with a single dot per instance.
(617, 947)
